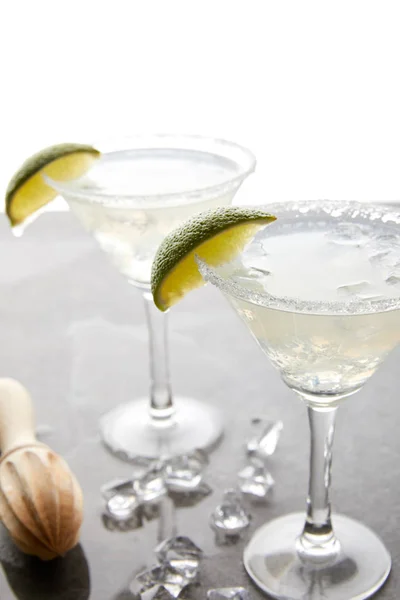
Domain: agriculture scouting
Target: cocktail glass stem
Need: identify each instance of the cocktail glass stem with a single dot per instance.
(161, 406)
(318, 539)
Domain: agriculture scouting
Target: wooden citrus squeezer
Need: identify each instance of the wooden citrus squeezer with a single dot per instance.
(41, 502)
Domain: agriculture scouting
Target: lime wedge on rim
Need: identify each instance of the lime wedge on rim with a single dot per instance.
(27, 191)
(216, 236)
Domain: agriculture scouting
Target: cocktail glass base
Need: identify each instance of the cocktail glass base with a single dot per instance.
(358, 569)
(130, 432)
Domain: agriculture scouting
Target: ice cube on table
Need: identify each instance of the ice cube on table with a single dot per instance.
(151, 485)
(159, 582)
(265, 441)
(117, 486)
(230, 517)
(228, 593)
(130, 524)
(255, 481)
(122, 507)
(189, 497)
(180, 553)
(124, 485)
(185, 472)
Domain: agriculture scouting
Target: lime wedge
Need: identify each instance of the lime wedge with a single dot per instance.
(27, 190)
(216, 236)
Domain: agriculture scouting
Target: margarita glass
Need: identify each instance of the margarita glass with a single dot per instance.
(137, 192)
(319, 290)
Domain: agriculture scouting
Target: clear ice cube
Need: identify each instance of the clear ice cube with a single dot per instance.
(384, 251)
(385, 260)
(159, 582)
(135, 521)
(228, 593)
(393, 280)
(190, 497)
(360, 289)
(117, 486)
(348, 234)
(124, 485)
(230, 517)
(379, 257)
(251, 283)
(255, 266)
(387, 240)
(151, 485)
(185, 473)
(180, 553)
(255, 480)
(122, 507)
(265, 441)
(156, 592)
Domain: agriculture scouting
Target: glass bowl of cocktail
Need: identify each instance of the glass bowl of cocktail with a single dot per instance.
(319, 290)
(129, 193)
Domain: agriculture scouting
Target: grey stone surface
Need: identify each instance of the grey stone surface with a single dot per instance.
(72, 331)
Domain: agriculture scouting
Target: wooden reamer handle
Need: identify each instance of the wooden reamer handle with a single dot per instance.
(16, 416)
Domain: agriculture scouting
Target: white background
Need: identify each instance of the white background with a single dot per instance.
(312, 87)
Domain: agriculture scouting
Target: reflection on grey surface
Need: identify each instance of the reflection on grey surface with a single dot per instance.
(167, 524)
(31, 579)
(72, 332)
(316, 579)
(124, 595)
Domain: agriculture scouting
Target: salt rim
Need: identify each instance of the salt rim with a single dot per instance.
(242, 156)
(332, 208)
